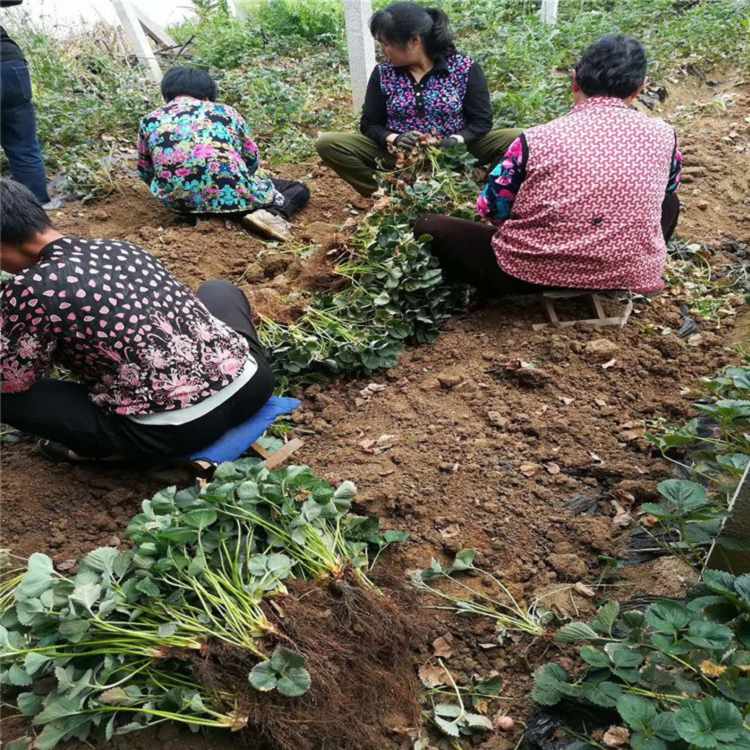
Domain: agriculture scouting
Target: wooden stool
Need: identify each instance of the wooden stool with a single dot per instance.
(597, 299)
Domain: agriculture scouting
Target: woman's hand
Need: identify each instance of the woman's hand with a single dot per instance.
(450, 142)
(407, 141)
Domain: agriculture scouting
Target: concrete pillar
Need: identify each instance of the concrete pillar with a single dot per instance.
(136, 38)
(548, 12)
(236, 10)
(361, 47)
(731, 550)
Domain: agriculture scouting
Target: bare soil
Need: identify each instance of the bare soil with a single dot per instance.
(460, 447)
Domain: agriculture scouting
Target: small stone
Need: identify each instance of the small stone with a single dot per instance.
(66, 565)
(601, 349)
(569, 565)
(253, 272)
(448, 380)
(496, 419)
(584, 590)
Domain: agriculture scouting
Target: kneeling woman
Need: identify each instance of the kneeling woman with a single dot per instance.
(162, 372)
(425, 88)
(197, 157)
(586, 201)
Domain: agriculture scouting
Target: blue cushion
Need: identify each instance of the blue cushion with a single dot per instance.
(231, 445)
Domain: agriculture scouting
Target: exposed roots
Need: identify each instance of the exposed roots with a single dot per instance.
(357, 646)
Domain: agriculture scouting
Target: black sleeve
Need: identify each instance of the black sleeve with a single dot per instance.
(374, 111)
(9, 3)
(477, 107)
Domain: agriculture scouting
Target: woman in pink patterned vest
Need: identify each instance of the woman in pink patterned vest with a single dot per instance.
(586, 201)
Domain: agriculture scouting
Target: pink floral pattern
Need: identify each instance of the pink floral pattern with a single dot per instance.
(113, 315)
(578, 200)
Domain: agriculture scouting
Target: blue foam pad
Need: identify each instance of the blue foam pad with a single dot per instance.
(231, 445)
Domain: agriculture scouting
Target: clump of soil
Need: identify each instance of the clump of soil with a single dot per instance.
(358, 647)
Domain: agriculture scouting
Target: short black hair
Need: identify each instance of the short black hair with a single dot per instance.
(399, 23)
(21, 214)
(613, 66)
(188, 81)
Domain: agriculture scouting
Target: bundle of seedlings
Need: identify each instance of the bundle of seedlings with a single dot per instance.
(243, 604)
(393, 290)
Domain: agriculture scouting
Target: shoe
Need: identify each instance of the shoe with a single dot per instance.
(57, 452)
(53, 205)
(268, 224)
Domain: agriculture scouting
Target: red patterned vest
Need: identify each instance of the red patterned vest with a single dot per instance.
(588, 214)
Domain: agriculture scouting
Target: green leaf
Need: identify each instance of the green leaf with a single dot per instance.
(636, 712)
(18, 676)
(490, 686)
(640, 741)
(200, 518)
(263, 677)
(623, 656)
(709, 722)
(38, 578)
(663, 726)
(573, 632)
(668, 617)
(683, 494)
(179, 535)
(56, 731)
(548, 680)
(709, 635)
(444, 716)
(284, 658)
(344, 495)
(86, 595)
(720, 582)
(101, 559)
(464, 560)
(33, 662)
(29, 704)
(74, 630)
(604, 694)
(59, 707)
(294, 682)
(606, 617)
(742, 587)
(477, 721)
(22, 743)
(594, 656)
(393, 536)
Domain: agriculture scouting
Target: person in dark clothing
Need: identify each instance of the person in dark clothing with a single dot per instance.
(426, 88)
(161, 372)
(197, 156)
(17, 120)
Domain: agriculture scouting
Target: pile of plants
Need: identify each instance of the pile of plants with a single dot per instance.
(675, 676)
(395, 290)
(244, 602)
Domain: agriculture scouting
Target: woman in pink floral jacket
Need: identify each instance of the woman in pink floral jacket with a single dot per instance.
(160, 371)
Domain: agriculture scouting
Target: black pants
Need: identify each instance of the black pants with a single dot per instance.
(464, 249)
(62, 411)
(296, 195)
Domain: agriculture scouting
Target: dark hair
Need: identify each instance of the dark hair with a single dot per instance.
(613, 66)
(401, 22)
(21, 214)
(187, 81)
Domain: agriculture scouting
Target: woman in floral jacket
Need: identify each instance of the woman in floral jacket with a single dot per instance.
(161, 372)
(425, 88)
(197, 157)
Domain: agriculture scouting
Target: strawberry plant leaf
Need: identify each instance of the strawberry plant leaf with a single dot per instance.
(263, 677)
(708, 723)
(464, 560)
(549, 680)
(668, 617)
(638, 713)
(573, 632)
(294, 682)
